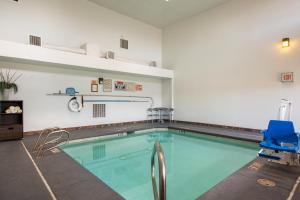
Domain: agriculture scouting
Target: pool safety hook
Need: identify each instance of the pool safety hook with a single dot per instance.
(75, 105)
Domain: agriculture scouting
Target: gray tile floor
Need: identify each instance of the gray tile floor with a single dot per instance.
(19, 180)
(69, 180)
(243, 183)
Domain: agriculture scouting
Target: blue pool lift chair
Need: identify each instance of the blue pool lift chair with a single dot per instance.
(280, 140)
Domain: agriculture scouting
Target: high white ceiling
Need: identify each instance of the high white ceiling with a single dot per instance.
(159, 13)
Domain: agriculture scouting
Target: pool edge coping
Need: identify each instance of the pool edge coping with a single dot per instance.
(167, 126)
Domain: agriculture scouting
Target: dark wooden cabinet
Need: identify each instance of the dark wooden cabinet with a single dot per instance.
(11, 124)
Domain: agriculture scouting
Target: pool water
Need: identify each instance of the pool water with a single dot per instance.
(194, 162)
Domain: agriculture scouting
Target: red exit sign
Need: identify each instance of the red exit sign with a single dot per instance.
(287, 77)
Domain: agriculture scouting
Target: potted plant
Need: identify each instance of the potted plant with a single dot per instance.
(8, 83)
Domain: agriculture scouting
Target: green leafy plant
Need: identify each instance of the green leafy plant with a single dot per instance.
(8, 80)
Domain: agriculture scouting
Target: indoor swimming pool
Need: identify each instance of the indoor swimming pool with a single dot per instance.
(194, 162)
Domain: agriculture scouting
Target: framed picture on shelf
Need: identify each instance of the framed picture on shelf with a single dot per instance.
(120, 86)
(107, 85)
(130, 86)
(94, 87)
(139, 88)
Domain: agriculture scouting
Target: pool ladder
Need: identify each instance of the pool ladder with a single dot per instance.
(162, 195)
(50, 139)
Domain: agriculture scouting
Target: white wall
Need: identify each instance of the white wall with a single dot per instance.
(42, 111)
(72, 23)
(228, 60)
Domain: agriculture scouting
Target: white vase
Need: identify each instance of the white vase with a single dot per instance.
(5, 95)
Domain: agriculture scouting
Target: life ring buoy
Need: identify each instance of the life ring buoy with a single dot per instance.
(74, 105)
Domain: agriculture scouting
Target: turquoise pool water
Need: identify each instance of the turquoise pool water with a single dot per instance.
(194, 162)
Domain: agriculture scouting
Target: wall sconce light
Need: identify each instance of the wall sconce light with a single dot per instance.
(285, 42)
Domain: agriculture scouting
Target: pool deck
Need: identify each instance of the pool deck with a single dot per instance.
(68, 180)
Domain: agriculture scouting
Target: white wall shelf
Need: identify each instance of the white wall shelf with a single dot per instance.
(24, 53)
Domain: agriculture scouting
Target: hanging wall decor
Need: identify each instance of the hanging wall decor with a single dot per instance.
(107, 85)
(130, 86)
(94, 86)
(139, 88)
(120, 86)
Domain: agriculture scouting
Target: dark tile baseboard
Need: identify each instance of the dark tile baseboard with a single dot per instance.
(219, 126)
(29, 133)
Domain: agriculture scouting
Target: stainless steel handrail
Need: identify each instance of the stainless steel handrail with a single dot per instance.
(53, 140)
(42, 133)
(162, 172)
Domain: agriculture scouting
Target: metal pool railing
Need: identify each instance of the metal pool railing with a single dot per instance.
(162, 172)
(49, 139)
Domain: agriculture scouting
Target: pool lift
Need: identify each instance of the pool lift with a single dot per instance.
(281, 143)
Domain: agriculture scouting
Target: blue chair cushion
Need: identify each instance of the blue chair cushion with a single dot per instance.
(290, 149)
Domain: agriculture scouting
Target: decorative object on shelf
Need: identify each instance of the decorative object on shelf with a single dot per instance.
(74, 105)
(285, 42)
(13, 110)
(91, 49)
(130, 86)
(7, 83)
(153, 64)
(94, 82)
(11, 125)
(139, 88)
(71, 91)
(94, 86)
(107, 85)
(110, 55)
(120, 86)
(100, 81)
(287, 77)
(35, 40)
